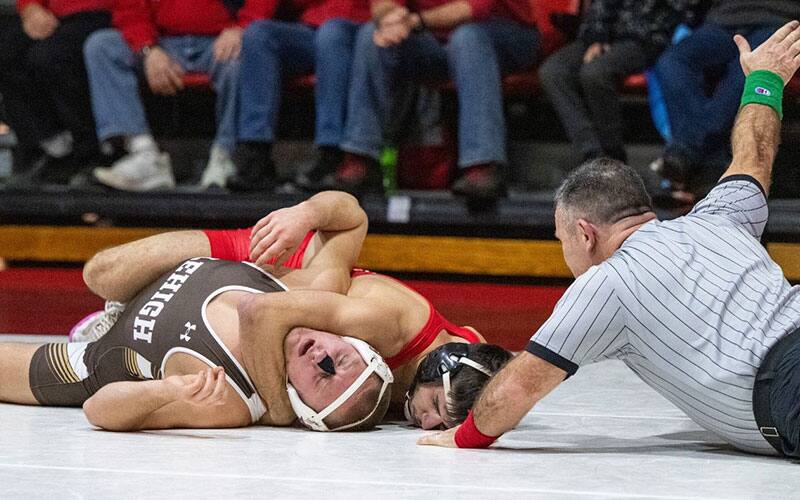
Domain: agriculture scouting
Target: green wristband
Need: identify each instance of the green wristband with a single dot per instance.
(764, 87)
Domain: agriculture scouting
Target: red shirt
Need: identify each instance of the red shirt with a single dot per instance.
(313, 12)
(62, 8)
(518, 10)
(142, 22)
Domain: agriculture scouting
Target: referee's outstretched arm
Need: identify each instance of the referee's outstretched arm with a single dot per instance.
(756, 134)
(515, 389)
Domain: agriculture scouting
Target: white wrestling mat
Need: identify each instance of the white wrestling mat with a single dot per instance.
(603, 434)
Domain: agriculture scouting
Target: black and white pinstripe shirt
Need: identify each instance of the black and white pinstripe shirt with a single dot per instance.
(691, 305)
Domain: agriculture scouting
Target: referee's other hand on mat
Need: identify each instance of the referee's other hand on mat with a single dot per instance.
(780, 54)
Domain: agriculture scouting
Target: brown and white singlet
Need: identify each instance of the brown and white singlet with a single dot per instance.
(167, 317)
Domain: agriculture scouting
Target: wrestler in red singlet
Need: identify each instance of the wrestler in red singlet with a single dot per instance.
(235, 245)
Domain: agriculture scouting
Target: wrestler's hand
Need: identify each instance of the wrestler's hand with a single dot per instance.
(445, 439)
(280, 233)
(38, 22)
(780, 54)
(206, 388)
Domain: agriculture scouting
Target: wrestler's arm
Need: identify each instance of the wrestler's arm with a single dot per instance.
(118, 273)
(756, 134)
(201, 400)
(266, 319)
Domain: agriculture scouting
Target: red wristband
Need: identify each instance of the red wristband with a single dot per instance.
(230, 244)
(468, 435)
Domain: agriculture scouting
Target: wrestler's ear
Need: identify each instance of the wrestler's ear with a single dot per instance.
(587, 235)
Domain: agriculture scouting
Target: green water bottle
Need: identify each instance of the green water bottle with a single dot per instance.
(388, 163)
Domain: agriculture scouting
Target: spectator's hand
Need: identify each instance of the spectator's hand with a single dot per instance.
(279, 234)
(779, 54)
(38, 22)
(594, 51)
(228, 44)
(393, 27)
(164, 76)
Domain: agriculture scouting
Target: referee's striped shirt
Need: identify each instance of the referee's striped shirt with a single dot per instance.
(691, 305)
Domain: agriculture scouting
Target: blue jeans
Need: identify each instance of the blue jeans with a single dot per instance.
(475, 56)
(701, 124)
(113, 78)
(274, 50)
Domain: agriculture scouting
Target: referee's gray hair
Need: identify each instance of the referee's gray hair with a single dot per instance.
(603, 191)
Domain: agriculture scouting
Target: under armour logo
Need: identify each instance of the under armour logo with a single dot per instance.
(189, 329)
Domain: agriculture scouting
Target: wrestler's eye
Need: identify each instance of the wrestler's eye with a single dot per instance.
(327, 365)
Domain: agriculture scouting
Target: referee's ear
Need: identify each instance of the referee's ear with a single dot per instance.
(587, 236)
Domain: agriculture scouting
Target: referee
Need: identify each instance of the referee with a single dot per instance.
(695, 306)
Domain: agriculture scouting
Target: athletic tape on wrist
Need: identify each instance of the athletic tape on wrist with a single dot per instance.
(468, 435)
(764, 87)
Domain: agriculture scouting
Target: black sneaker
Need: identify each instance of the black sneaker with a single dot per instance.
(481, 182)
(322, 174)
(359, 175)
(254, 168)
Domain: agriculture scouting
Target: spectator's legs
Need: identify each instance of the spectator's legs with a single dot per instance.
(478, 54)
(600, 81)
(334, 44)
(271, 50)
(374, 78)
(118, 112)
(28, 110)
(371, 108)
(58, 65)
(681, 71)
(111, 66)
(559, 78)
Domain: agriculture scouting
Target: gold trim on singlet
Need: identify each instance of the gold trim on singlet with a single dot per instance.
(132, 364)
(58, 358)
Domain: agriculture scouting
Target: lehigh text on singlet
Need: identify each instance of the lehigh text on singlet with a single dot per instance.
(145, 321)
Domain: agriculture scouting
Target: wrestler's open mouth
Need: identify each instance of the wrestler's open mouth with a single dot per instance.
(305, 346)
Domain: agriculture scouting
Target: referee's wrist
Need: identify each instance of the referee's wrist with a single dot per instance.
(766, 88)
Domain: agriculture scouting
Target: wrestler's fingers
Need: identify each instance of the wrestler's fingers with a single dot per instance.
(287, 253)
(219, 386)
(258, 235)
(263, 244)
(208, 386)
(444, 439)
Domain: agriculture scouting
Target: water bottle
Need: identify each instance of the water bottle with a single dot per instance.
(388, 162)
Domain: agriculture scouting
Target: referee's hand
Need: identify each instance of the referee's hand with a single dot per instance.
(780, 54)
(446, 439)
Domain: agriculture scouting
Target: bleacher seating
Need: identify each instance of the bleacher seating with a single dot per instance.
(525, 83)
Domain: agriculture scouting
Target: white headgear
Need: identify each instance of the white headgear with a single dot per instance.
(375, 364)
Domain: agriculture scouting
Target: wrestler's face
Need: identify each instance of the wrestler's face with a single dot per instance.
(573, 244)
(320, 365)
(428, 407)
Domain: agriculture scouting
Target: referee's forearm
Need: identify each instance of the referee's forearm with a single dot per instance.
(755, 140)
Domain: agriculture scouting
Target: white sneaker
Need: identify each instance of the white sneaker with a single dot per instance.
(97, 324)
(140, 171)
(220, 166)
